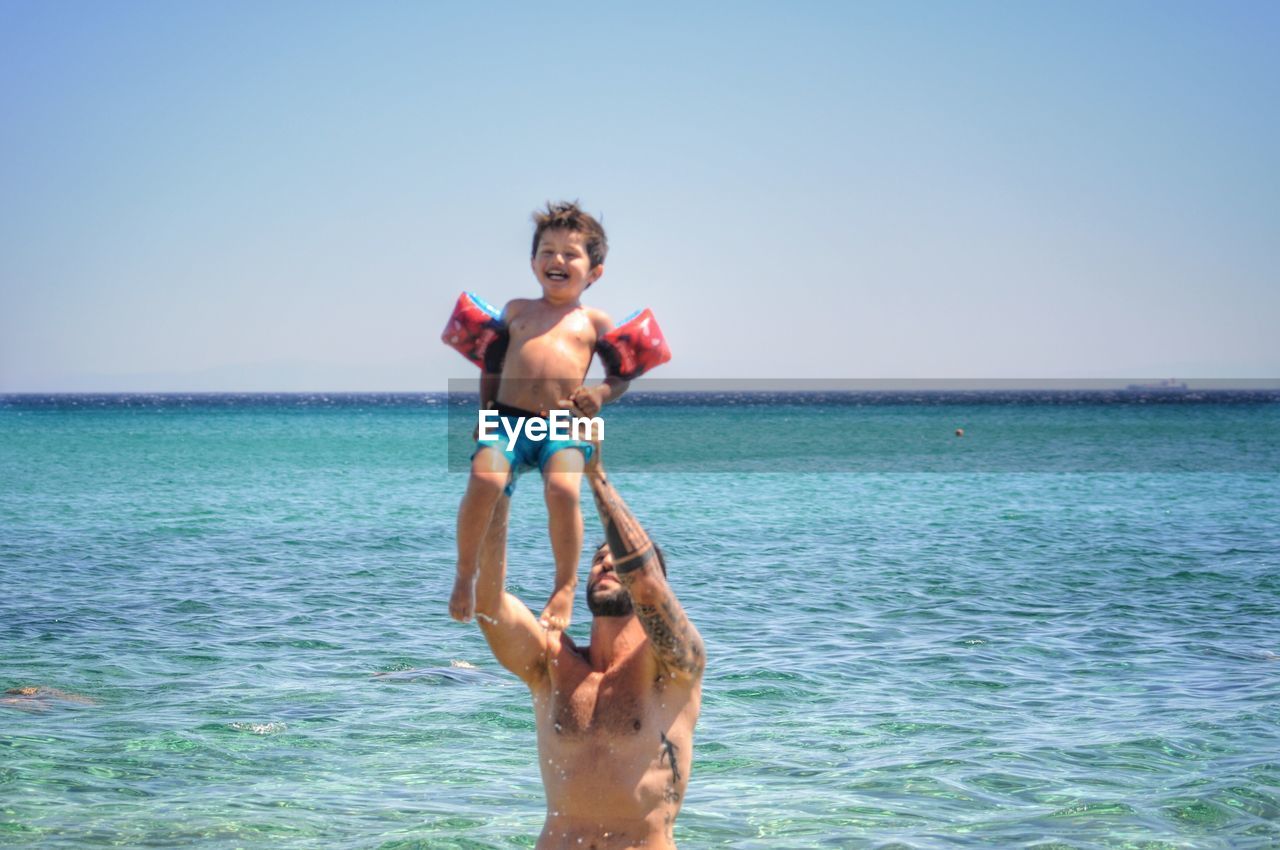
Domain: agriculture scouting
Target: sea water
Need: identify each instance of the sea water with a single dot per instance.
(1059, 630)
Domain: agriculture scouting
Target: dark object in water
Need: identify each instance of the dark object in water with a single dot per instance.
(40, 698)
(461, 672)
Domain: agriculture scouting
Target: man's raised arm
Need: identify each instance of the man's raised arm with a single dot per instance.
(635, 562)
(514, 636)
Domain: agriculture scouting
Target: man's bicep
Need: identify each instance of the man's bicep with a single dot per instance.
(672, 636)
(515, 637)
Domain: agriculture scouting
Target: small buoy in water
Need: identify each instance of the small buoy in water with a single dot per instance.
(959, 432)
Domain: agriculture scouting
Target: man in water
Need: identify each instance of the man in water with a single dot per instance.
(615, 719)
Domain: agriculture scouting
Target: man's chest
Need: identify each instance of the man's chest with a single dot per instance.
(616, 704)
(586, 710)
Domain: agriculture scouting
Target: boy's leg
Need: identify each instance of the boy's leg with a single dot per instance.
(489, 474)
(562, 482)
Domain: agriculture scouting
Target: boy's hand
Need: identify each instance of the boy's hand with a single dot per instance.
(586, 401)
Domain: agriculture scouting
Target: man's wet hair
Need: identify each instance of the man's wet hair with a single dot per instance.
(567, 215)
(662, 557)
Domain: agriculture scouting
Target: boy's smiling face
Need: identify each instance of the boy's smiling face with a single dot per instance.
(562, 265)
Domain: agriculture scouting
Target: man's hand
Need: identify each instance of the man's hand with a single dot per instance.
(595, 466)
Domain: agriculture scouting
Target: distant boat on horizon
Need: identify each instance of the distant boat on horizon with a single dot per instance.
(1169, 385)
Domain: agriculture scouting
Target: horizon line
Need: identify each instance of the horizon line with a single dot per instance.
(691, 385)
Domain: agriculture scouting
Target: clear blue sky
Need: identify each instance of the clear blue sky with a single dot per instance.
(289, 196)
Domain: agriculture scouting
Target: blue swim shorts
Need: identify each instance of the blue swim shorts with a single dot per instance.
(523, 453)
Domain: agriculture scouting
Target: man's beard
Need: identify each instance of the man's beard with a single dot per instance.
(605, 603)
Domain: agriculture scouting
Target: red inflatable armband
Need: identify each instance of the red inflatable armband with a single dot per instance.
(473, 328)
(634, 347)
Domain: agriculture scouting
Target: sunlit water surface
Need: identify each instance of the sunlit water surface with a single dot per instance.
(234, 615)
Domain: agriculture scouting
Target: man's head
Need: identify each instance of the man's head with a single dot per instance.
(569, 247)
(606, 597)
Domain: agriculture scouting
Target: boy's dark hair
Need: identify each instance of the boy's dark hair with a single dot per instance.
(567, 215)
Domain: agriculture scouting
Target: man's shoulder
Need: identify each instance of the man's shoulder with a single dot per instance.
(561, 645)
(564, 657)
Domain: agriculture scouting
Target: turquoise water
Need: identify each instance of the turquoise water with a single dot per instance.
(235, 610)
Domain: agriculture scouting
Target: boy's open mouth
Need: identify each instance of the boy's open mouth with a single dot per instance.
(557, 275)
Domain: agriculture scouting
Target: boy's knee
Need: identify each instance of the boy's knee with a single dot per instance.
(489, 483)
(565, 462)
(562, 490)
(488, 460)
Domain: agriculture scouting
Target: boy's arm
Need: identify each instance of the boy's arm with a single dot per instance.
(615, 386)
(676, 643)
(587, 401)
(491, 382)
(514, 636)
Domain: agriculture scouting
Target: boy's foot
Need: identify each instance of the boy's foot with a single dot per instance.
(559, 610)
(462, 604)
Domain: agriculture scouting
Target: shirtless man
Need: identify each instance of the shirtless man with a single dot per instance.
(615, 719)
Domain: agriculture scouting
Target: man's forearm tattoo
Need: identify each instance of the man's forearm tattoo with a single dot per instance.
(672, 635)
(630, 544)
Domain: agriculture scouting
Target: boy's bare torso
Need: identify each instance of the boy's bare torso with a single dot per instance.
(615, 748)
(549, 352)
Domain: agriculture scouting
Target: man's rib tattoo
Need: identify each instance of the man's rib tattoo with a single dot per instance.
(669, 753)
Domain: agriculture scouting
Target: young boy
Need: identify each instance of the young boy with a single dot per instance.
(551, 341)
